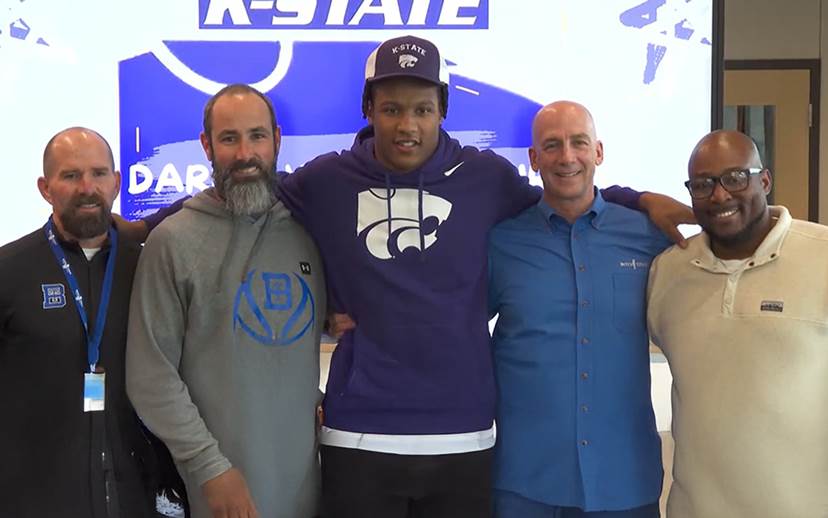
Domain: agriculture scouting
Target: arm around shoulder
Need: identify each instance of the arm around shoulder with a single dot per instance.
(513, 193)
(667, 214)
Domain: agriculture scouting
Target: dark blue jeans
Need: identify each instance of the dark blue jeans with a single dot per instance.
(512, 505)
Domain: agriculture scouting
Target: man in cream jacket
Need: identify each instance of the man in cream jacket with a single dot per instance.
(742, 316)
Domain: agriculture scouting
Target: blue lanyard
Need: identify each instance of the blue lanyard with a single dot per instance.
(93, 342)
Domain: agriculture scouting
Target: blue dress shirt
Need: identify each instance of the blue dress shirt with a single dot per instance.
(575, 422)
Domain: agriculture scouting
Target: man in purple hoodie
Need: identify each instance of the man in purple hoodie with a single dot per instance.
(402, 220)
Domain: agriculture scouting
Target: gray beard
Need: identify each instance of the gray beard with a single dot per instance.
(248, 198)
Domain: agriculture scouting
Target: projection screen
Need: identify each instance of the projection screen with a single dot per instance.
(140, 73)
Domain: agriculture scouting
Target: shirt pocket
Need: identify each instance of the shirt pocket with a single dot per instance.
(628, 301)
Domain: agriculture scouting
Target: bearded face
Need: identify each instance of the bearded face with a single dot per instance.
(245, 186)
(86, 216)
(242, 145)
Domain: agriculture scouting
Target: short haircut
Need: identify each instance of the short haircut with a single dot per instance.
(236, 88)
(368, 96)
(47, 151)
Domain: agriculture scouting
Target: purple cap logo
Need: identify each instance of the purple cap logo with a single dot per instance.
(407, 56)
(407, 61)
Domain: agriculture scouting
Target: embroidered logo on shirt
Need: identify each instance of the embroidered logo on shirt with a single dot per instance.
(54, 296)
(390, 225)
(635, 264)
(305, 268)
(274, 308)
(772, 305)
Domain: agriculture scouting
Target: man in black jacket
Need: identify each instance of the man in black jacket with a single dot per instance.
(70, 442)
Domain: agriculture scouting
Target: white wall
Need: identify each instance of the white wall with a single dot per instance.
(772, 29)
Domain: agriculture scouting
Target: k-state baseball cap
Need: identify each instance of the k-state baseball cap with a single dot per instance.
(407, 56)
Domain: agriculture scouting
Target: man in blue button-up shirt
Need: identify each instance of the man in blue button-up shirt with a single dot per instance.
(576, 434)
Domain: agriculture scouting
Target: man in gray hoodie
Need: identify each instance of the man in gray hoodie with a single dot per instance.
(227, 311)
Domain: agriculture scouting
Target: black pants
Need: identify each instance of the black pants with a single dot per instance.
(366, 484)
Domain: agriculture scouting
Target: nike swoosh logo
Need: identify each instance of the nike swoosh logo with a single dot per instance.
(450, 171)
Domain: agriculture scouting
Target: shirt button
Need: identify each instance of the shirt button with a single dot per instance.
(584, 408)
(584, 303)
(584, 341)
(581, 268)
(584, 442)
(584, 375)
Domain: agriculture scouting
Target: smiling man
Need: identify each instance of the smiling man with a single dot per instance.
(742, 319)
(732, 206)
(71, 444)
(576, 434)
(228, 303)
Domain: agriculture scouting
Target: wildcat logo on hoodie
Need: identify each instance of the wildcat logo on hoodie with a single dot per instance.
(389, 225)
(274, 308)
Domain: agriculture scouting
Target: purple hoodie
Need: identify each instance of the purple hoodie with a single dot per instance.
(405, 256)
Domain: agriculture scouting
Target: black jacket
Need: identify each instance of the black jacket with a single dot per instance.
(55, 459)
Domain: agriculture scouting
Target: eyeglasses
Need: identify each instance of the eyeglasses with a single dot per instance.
(732, 181)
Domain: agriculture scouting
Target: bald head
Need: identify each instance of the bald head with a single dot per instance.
(73, 138)
(554, 113)
(726, 164)
(723, 147)
(80, 183)
(565, 151)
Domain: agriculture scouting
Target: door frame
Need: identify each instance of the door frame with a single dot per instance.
(814, 67)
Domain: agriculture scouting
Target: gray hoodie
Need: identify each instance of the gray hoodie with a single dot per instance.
(223, 351)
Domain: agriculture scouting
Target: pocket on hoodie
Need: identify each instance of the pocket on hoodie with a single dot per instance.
(420, 366)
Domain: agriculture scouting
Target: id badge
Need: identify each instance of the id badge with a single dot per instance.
(93, 391)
